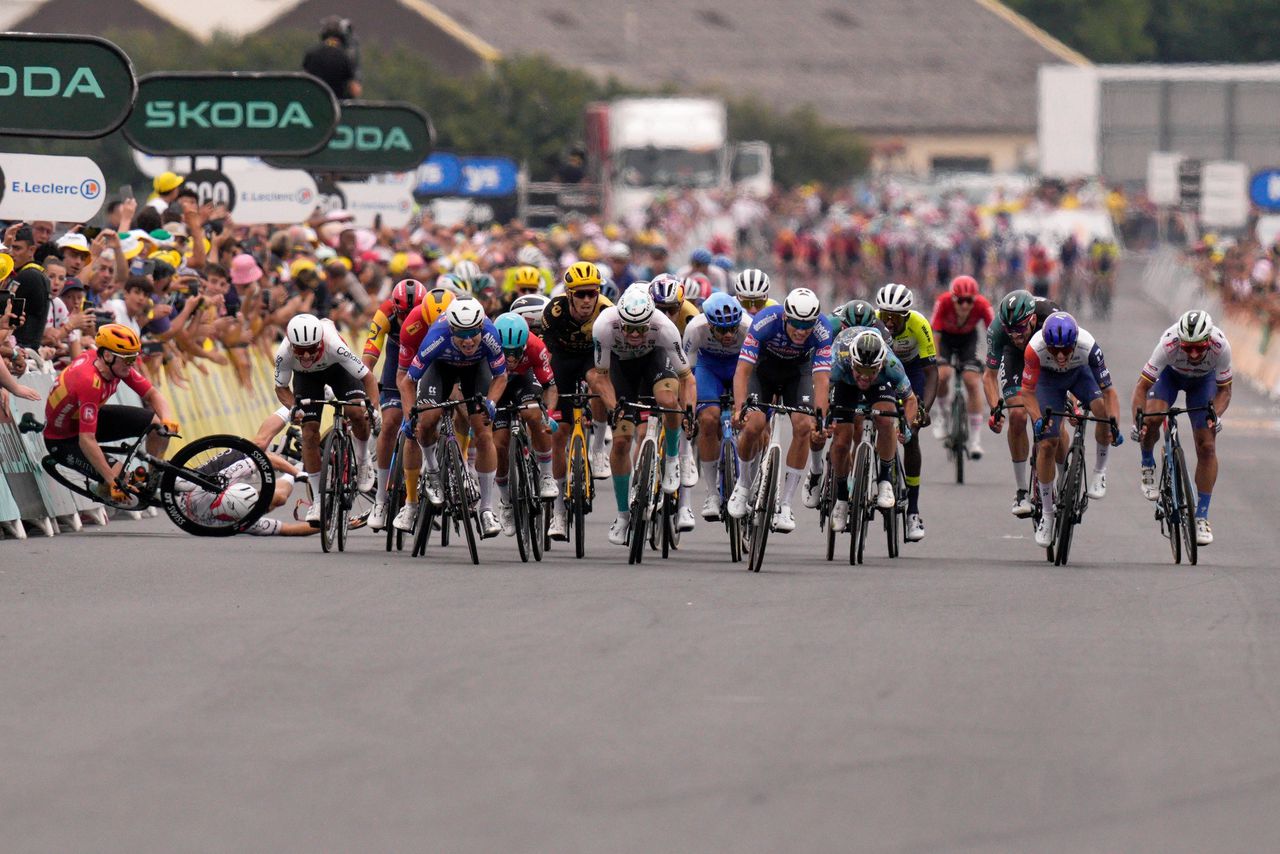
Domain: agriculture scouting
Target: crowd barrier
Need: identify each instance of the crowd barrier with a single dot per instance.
(1168, 281)
(215, 401)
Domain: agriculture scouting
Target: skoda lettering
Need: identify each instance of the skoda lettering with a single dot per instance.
(63, 86)
(227, 115)
(371, 137)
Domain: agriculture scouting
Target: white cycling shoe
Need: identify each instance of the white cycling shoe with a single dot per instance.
(688, 472)
(1021, 504)
(671, 476)
(406, 517)
(940, 428)
(784, 521)
(618, 530)
(1204, 533)
(366, 478)
(1044, 531)
(559, 528)
(915, 528)
(431, 486)
(1149, 489)
(884, 495)
(600, 464)
(812, 490)
(547, 486)
(507, 518)
(711, 507)
(685, 521)
(313, 515)
(378, 516)
(839, 515)
(1098, 485)
(489, 524)
(975, 447)
(740, 500)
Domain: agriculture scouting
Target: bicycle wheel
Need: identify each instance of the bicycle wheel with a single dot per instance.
(827, 503)
(959, 429)
(728, 480)
(422, 524)
(1068, 507)
(395, 496)
(516, 491)
(858, 503)
(1190, 547)
(331, 465)
(642, 495)
(347, 491)
(1169, 511)
(536, 511)
(578, 500)
(203, 466)
(459, 500)
(766, 498)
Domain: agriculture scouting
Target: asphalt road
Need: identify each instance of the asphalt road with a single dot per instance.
(164, 693)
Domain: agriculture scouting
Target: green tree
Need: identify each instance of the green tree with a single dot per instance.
(804, 147)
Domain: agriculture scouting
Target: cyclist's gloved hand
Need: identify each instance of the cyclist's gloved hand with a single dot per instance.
(491, 410)
(406, 427)
(1117, 437)
(551, 424)
(615, 414)
(1217, 426)
(1038, 428)
(906, 435)
(1136, 433)
(375, 416)
(995, 422)
(171, 426)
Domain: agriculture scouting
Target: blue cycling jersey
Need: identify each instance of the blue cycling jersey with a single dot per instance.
(769, 335)
(438, 346)
(893, 373)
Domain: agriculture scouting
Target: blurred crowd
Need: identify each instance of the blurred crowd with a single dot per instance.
(1244, 273)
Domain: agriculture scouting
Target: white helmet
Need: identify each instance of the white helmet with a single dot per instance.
(619, 251)
(530, 256)
(464, 314)
(305, 330)
(895, 298)
(752, 284)
(666, 289)
(802, 305)
(234, 503)
(466, 272)
(531, 307)
(1194, 326)
(636, 306)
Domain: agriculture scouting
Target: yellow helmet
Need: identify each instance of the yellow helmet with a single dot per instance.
(119, 339)
(588, 252)
(527, 277)
(581, 275)
(434, 304)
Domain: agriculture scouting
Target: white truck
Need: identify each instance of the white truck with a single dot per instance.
(639, 147)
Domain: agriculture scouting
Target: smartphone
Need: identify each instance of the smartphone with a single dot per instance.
(151, 348)
(91, 232)
(126, 193)
(104, 316)
(18, 306)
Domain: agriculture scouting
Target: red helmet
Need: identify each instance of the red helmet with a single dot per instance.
(964, 286)
(406, 294)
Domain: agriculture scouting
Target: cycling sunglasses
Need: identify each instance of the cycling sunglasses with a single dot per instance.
(801, 324)
(753, 303)
(962, 300)
(1020, 327)
(313, 350)
(866, 370)
(1060, 351)
(584, 295)
(467, 333)
(635, 328)
(1195, 349)
(722, 330)
(514, 355)
(128, 360)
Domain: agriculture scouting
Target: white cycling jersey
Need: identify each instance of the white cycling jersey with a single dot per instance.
(205, 507)
(336, 351)
(698, 340)
(1169, 354)
(662, 335)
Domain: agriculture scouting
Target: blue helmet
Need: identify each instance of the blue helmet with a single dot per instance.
(724, 262)
(513, 331)
(722, 310)
(700, 256)
(1061, 331)
(608, 287)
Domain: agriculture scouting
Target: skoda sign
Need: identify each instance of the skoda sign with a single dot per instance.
(231, 113)
(41, 186)
(371, 136)
(63, 86)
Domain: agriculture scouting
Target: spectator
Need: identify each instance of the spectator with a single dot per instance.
(165, 186)
(32, 285)
(333, 60)
(76, 252)
(132, 308)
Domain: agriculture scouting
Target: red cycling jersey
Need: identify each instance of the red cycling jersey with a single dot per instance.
(536, 359)
(944, 315)
(412, 332)
(73, 404)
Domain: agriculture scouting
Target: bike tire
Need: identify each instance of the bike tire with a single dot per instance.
(858, 503)
(1067, 509)
(728, 480)
(959, 428)
(423, 523)
(517, 476)
(641, 498)
(395, 496)
(1190, 547)
(458, 478)
(1170, 515)
(578, 504)
(766, 499)
(347, 492)
(330, 464)
(827, 503)
(891, 515)
(217, 444)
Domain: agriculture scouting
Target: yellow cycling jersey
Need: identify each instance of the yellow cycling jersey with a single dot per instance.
(915, 342)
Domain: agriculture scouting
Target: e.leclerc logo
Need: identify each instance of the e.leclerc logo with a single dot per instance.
(89, 189)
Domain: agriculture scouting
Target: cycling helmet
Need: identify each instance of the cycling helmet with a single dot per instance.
(802, 306)
(697, 288)
(531, 307)
(234, 503)
(724, 262)
(964, 286)
(868, 350)
(752, 284)
(453, 285)
(434, 304)
(608, 287)
(1194, 326)
(619, 251)
(700, 256)
(636, 307)
(530, 256)
(1061, 331)
(666, 290)
(1016, 307)
(513, 331)
(581, 275)
(857, 312)
(895, 298)
(406, 294)
(305, 330)
(465, 273)
(123, 341)
(463, 314)
(722, 310)
(526, 277)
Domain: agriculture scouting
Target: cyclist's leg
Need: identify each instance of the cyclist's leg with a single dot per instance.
(1051, 394)
(942, 402)
(764, 386)
(392, 414)
(435, 387)
(474, 380)
(711, 384)
(798, 391)
(310, 386)
(626, 385)
(845, 425)
(912, 459)
(971, 376)
(1017, 428)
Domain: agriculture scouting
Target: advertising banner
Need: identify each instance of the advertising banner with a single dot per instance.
(367, 202)
(231, 113)
(371, 136)
(271, 195)
(42, 186)
(63, 86)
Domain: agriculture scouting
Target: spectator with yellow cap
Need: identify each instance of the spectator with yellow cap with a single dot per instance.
(166, 186)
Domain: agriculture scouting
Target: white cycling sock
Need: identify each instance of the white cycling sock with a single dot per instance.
(975, 424)
(504, 491)
(598, 436)
(1020, 474)
(746, 470)
(383, 476)
(362, 450)
(710, 475)
(486, 479)
(815, 460)
(1046, 497)
(1101, 453)
(429, 460)
(794, 476)
(684, 498)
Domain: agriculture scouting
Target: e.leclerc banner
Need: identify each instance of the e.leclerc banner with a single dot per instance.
(63, 86)
(371, 136)
(42, 186)
(242, 113)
